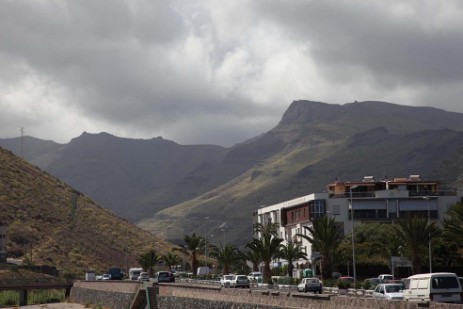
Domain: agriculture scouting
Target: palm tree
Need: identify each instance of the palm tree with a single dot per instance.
(193, 245)
(292, 252)
(386, 244)
(453, 225)
(253, 256)
(148, 260)
(416, 232)
(171, 259)
(325, 237)
(268, 245)
(226, 256)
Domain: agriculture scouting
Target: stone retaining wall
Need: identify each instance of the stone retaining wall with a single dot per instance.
(110, 294)
(120, 294)
(179, 296)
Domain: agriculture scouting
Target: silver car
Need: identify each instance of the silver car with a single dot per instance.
(240, 281)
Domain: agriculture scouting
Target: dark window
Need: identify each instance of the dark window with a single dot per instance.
(444, 283)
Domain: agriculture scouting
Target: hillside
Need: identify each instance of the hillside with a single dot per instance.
(59, 226)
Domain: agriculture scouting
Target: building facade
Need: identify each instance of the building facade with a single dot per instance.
(369, 201)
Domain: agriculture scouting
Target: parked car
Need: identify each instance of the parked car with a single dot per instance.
(240, 281)
(164, 276)
(255, 276)
(143, 276)
(386, 277)
(310, 285)
(99, 277)
(389, 291)
(346, 281)
(106, 277)
(371, 283)
(226, 280)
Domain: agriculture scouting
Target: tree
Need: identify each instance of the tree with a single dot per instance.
(453, 226)
(326, 238)
(252, 255)
(171, 259)
(148, 261)
(292, 252)
(267, 246)
(416, 232)
(193, 245)
(226, 256)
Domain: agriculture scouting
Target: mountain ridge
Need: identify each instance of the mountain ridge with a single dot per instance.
(313, 144)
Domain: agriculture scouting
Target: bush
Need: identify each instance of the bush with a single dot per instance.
(343, 284)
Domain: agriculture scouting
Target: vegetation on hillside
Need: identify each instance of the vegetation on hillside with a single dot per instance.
(50, 223)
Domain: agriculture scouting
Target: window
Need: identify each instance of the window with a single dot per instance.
(316, 208)
(444, 283)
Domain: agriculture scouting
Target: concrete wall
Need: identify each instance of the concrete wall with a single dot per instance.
(110, 294)
(120, 294)
(181, 296)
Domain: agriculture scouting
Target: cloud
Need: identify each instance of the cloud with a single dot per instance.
(214, 72)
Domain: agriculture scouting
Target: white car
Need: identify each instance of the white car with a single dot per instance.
(256, 277)
(389, 291)
(106, 277)
(240, 281)
(310, 285)
(143, 276)
(226, 280)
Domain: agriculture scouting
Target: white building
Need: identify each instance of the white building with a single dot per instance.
(381, 201)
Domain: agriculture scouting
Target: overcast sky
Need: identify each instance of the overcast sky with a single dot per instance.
(216, 72)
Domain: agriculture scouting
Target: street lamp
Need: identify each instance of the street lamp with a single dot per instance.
(352, 227)
(429, 235)
(205, 239)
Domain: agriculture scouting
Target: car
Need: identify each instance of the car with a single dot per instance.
(371, 283)
(389, 291)
(99, 277)
(386, 277)
(240, 281)
(346, 281)
(143, 276)
(106, 277)
(225, 280)
(164, 276)
(256, 276)
(310, 285)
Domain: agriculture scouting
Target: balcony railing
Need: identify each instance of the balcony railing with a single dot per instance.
(410, 193)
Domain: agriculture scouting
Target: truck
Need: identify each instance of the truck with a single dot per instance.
(115, 273)
(134, 273)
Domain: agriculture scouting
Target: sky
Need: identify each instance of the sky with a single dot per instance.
(216, 72)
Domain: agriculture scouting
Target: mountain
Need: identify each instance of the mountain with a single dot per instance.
(317, 143)
(173, 190)
(132, 177)
(50, 223)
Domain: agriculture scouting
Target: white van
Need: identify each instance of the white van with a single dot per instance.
(438, 287)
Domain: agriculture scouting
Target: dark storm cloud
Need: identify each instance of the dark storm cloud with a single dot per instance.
(216, 72)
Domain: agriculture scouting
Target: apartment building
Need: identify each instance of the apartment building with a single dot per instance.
(369, 200)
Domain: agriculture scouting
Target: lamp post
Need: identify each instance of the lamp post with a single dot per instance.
(353, 238)
(429, 235)
(205, 239)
